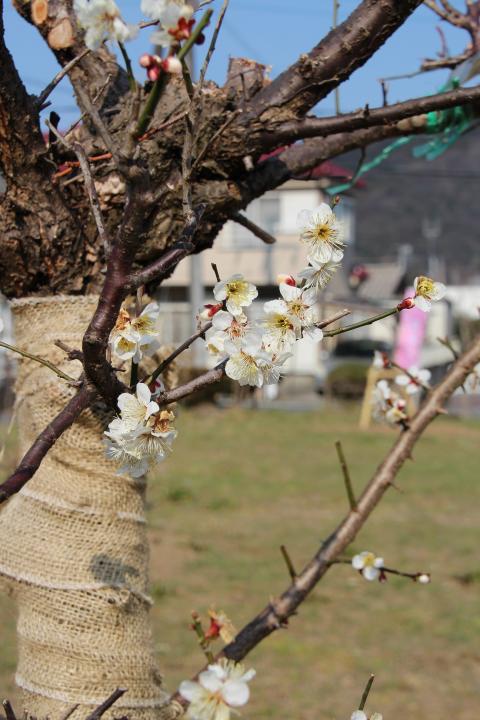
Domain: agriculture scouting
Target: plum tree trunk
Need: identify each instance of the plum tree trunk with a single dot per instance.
(74, 545)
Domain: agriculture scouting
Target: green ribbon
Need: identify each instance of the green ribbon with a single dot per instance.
(448, 125)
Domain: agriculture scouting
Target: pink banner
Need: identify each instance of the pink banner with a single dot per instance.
(410, 335)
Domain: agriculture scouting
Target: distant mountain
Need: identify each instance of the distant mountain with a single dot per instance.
(434, 206)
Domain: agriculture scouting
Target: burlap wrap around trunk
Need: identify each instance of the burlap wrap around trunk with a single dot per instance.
(73, 544)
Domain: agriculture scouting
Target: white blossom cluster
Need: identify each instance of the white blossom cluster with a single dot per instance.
(142, 435)
(388, 405)
(256, 352)
(133, 337)
(221, 688)
(102, 20)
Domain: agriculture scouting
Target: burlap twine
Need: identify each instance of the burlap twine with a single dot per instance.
(74, 547)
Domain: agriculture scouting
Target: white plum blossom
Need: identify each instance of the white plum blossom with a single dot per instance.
(297, 307)
(168, 12)
(252, 365)
(175, 17)
(321, 232)
(360, 715)
(388, 405)
(415, 380)
(222, 687)
(136, 409)
(236, 292)
(226, 326)
(132, 337)
(318, 274)
(427, 291)
(368, 564)
(380, 360)
(280, 332)
(101, 20)
(142, 435)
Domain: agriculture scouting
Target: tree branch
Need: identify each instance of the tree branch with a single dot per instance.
(322, 127)
(280, 609)
(30, 462)
(254, 228)
(334, 59)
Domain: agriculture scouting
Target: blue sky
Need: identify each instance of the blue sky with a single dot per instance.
(274, 32)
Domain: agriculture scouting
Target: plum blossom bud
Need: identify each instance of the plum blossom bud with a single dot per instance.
(146, 60)
(406, 304)
(172, 65)
(210, 310)
(424, 578)
(286, 279)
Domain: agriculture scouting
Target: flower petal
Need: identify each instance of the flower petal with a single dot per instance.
(190, 690)
(235, 693)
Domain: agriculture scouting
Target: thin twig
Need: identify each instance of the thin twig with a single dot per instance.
(362, 323)
(366, 692)
(288, 562)
(202, 641)
(95, 100)
(39, 360)
(102, 709)
(93, 197)
(58, 77)
(346, 476)
(181, 348)
(215, 272)
(198, 383)
(69, 712)
(211, 48)
(9, 712)
(338, 316)
(410, 376)
(110, 144)
(254, 228)
(72, 353)
(447, 343)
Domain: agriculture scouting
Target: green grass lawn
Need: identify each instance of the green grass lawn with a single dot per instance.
(239, 484)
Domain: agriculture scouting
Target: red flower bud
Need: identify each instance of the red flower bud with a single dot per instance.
(406, 304)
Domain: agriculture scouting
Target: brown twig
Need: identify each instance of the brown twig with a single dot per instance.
(183, 391)
(58, 77)
(9, 711)
(47, 438)
(93, 197)
(366, 692)
(277, 612)
(346, 476)
(102, 709)
(39, 360)
(288, 562)
(321, 127)
(72, 353)
(179, 350)
(254, 228)
(338, 316)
